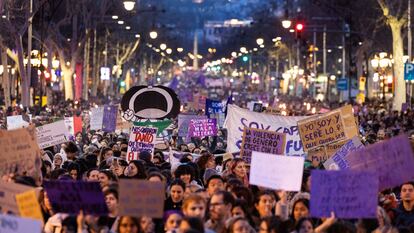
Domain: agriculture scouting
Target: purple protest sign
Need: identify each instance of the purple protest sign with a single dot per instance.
(109, 118)
(72, 196)
(184, 122)
(261, 141)
(202, 127)
(391, 160)
(338, 160)
(347, 193)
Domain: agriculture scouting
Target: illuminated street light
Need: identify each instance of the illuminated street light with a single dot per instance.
(153, 35)
(163, 46)
(286, 23)
(137, 35)
(180, 50)
(234, 54)
(243, 50)
(129, 5)
(115, 17)
(168, 51)
(120, 22)
(259, 41)
(128, 28)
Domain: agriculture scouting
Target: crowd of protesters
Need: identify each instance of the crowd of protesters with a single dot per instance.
(208, 190)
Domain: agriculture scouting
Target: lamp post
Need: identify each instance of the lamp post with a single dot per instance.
(129, 5)
(381, 63)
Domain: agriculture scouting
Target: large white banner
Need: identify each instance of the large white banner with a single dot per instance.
(52, 134)
(238, 118)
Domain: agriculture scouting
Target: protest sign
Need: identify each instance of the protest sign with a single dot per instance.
(184, 122)
(97, 115)
(276, 171)
(334, 126)
(238, 118)
(257, 107)
(28, 205)
(202, 128)
(323, 153)
(52, 134)
(72, 196)
(20, 152)
(214, 107)
(391, 160)
(141, 198)
(338, 160)
(109, 118)
(12, 224)
(349, 194)
(73, 124)
(16, 122)
(8, 192)
(141, 138)
(261, 141)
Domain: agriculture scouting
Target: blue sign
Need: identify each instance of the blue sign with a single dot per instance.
(342, 84)
(408, 71)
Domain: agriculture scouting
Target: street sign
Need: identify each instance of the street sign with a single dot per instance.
(342, 84)
(408, 71)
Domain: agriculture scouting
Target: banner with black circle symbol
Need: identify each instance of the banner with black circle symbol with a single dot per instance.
(150, 102)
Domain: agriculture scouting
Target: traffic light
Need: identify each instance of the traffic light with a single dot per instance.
(245, 58)
(299, 28)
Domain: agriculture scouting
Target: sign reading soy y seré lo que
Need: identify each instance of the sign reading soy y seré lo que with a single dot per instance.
(141, 139)
(334, 126)
(202, 127)
(52, 134)
(261, 141)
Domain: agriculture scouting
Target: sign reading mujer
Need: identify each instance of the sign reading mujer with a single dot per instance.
(239, 118)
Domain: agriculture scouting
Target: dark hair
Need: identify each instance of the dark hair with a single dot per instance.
(141, 169)
(218, 177)
(194, 223)
(227, 197)
(242, 192)
(184, 169)
(111, 176)
(55, 174)
(408, 183)
(233, 182)
(102, 152)
(275, 224)
(133, 219)
(301, 200)
(343, 227)
(111, 191)
(71, 147)
(245, 207)
(301, 221)
(88, 173)
(156, 174)
(26, 180)
(203, 159)
(74, 166)
(178, 182)
(263, 193)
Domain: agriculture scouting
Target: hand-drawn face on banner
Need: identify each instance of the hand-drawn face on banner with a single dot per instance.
(145, 102)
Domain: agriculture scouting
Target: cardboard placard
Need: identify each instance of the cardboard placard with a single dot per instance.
(331, 127)
(141, 138)
(8, 192)
(109, 118)
(16, 122)
(184, 123)
(324, 153)
(261, 141)
(391, 160)
(349, 194)
(28, 205)
(20, 152)
(202, 128)
(72, 196)
(338, 160)
(97, 115)
(276, 171)
(52, 134)
(141, 198)
(12, 224)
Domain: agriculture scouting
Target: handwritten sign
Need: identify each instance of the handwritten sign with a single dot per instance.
(52, 134)
(141, 198)
(184, 123)
(72, 196)
(19, 152)
(338, 160)
(12, 224)
(141, 138)
(261, 141)
(334, 126)
(28, 205)
(97, 115)
(391, 160)
(323, 153)
(16, 122)
(202, 128)
(349, 194)
(8, 192)
(109, 118)
(276, 171)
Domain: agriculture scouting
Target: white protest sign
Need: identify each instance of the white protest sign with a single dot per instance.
(52, 134)
(11, 224)
(16, 122)
(276, 171)
(239, 118)
(97, 115)
(141, 138)
(69, 125)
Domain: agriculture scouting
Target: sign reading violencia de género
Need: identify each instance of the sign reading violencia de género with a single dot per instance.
(141, 139)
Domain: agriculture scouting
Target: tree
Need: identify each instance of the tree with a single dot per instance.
(395, 14)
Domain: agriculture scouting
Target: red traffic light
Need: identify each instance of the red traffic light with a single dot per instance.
(299, 27)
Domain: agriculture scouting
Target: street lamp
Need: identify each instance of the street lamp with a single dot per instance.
(168, 51)
(163, 46)
(286, 23)
(153, 35)
(129, 5)
(180, 50)
(243, 50)
(380, 64)
(259, 41)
